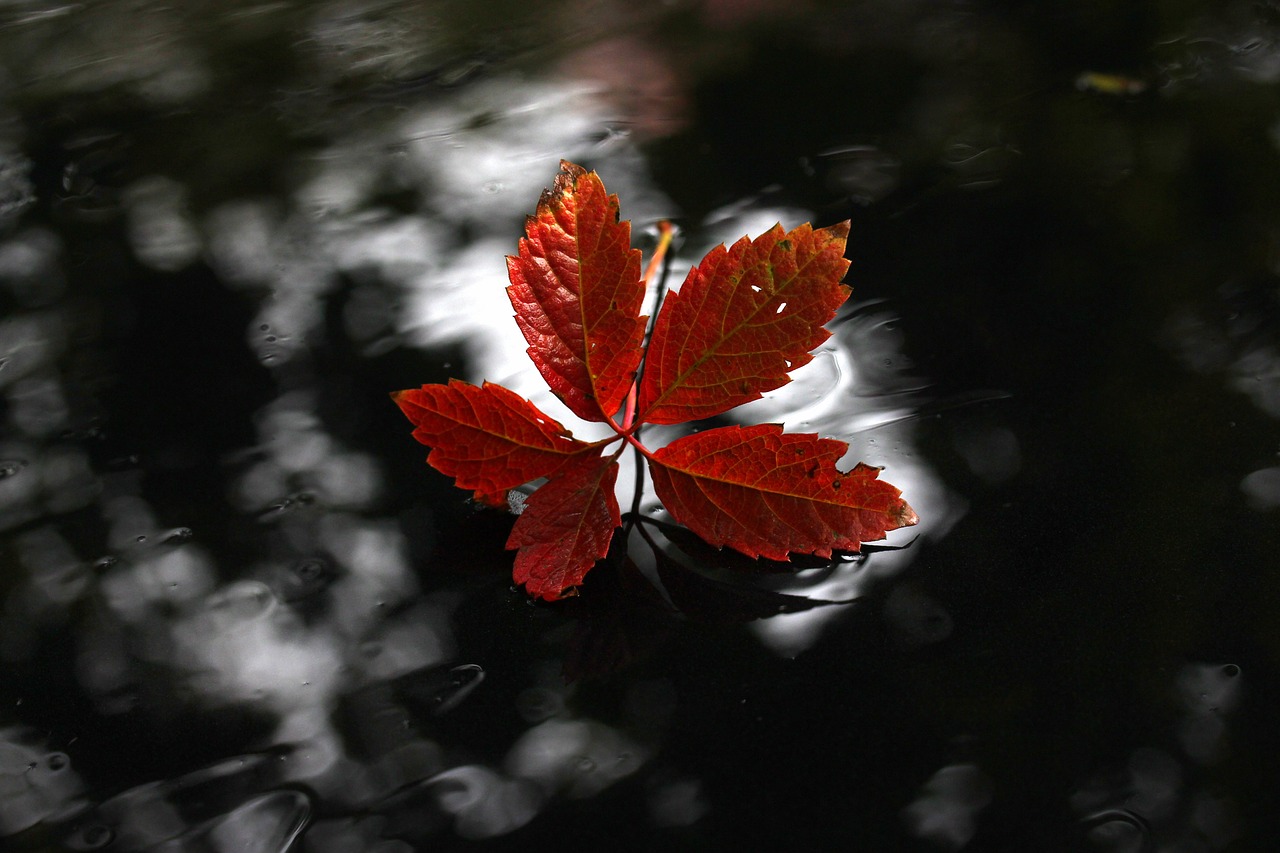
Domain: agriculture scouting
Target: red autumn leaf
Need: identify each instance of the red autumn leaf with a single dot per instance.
(743, 318)
(488, 439)
(767, 493)
(576, 289)
(566, 527)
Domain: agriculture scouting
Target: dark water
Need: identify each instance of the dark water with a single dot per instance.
(240, 614)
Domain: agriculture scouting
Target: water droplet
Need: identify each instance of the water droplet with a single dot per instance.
(57, 761)
(462, 676)
(9, 467)
(309, 570)
(1230, 670)
(459, 683)
(93, 836)
(178, 534)
(140, 539)
(243, 600)
(305, 578)
(264, 327)
(103, 563)
(585, 765)
(292, 501)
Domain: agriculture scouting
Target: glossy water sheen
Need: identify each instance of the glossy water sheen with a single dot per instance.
(238, 612)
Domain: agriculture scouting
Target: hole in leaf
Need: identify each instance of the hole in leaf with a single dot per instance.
(781, 307)
(755, 288)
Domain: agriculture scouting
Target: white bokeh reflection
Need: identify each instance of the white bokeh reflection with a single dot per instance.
(947, 809)
(16, 190)
(35, 783)
(577, 756)
(992, 453)
(29, 266)
(299, 458)
(488, 155)
(677, 803)
(375, 39)
(1209, 693)
(241, 241)
(56, 578)
(1219, 48)
(328, 607)
(1262, 488)
(211, 808)
(1171, 795)
(242, 647)
(1248, 361)
(485, 803)
(29, 345)
(349, 835)
(268, 823)
(94, 48)
(159, 225)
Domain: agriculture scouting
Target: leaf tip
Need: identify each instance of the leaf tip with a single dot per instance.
(840, 230)
(570, 174)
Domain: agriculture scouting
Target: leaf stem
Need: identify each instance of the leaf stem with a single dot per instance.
(629, 413)
(633, 441)
(666, 232)
(630, 429)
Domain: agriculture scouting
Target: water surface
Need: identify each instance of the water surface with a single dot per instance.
(240, 613)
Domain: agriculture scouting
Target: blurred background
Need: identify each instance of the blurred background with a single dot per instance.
(239, 613)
